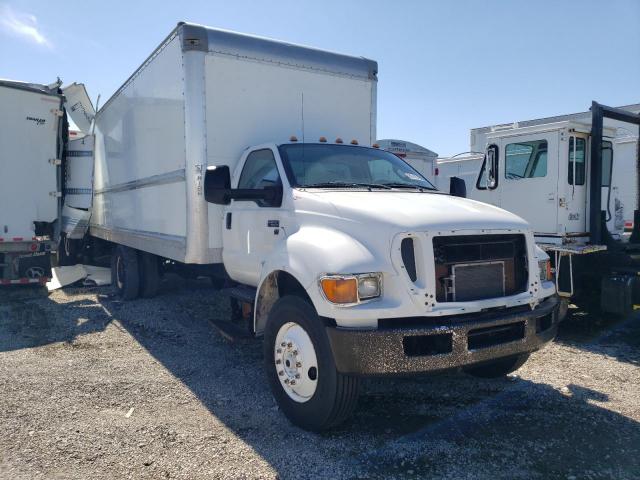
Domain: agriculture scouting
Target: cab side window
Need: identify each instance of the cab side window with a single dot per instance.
(260, 171)
(577, 149)
(607, 158)
(526, 160)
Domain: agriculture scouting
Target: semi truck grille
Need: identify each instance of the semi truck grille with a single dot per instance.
(478, 267)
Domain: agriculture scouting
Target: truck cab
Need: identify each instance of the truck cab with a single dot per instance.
(575, 180)
(548, 163)
(362, 267)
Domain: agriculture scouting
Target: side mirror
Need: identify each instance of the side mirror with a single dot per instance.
(457, 187)
(217, 189)
(217, 185)
(492, 165)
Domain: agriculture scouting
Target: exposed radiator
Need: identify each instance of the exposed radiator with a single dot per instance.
(475, 281)
(478, 267)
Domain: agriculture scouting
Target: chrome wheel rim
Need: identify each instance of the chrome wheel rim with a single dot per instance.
(296, 362)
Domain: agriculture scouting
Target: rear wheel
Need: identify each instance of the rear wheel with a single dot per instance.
(498, 368)
(67, 251)
(300, 368)
(149, 266)
(125, 276)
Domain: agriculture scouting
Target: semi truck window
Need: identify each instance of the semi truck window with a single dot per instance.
(526, 160)
(577, 155)
(607, 158)
(260, 171)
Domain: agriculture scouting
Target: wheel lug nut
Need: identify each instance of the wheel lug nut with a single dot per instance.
(298, 364)
(292, 382)
(278, 361)
(283, 344)
(287, 381)
(295, 352)
(279, 350)
(281, 372)
(289, 345)
(297, 375)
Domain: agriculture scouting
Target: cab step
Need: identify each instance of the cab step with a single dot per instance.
(239, 326)
(232, 331)
(242, 293)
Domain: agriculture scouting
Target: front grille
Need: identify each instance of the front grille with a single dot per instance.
(478, 267)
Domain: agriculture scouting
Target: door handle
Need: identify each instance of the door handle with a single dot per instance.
(228, 221)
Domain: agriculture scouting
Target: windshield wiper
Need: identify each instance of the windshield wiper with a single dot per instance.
(345, 184)
(407, 185)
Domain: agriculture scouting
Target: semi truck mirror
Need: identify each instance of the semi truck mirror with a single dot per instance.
(492, 165)
(457, 187)
(217, 184)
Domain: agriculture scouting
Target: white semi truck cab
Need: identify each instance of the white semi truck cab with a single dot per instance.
(229, 152)
(575, 179)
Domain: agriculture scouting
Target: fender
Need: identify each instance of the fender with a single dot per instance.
(307, 254)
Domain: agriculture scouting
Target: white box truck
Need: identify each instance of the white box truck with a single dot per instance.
(419, 157)
(229, 150)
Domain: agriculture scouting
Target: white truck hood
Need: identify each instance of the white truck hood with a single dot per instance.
(411, 211)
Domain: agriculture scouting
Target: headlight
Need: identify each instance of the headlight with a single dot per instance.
(351, 289)
(546, 274)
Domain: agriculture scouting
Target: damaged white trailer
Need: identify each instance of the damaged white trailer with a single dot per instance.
(32, 140)
(34, 180)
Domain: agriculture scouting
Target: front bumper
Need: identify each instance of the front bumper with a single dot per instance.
(428, 344)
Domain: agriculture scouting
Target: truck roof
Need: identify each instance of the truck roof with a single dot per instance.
(31, 87)
(405, 147)
(634, 107)
(195, 37)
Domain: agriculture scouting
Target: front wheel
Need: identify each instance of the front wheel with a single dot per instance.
(300, 368)
(498, 368)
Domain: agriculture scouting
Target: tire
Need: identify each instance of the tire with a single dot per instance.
(125, 275)
(149, 274)
(324, 397)
(67, 251)
(498, 368)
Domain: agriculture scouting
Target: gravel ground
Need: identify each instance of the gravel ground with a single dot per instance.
(91, 387)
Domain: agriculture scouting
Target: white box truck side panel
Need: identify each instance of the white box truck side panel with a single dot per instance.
(28, 179)
(139, 177)
(249, 102)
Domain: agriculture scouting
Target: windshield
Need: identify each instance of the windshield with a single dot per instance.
(327, 166)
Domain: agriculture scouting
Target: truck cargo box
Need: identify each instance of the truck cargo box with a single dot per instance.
(200, 99)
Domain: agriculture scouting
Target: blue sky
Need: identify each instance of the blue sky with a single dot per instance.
(444, 66)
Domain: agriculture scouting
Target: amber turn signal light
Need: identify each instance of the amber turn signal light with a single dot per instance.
(340, 290)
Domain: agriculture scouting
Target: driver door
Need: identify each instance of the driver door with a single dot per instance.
(252, 229)
(529, 179)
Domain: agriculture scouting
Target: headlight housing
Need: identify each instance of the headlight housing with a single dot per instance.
(546, 273)
(351, 289)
